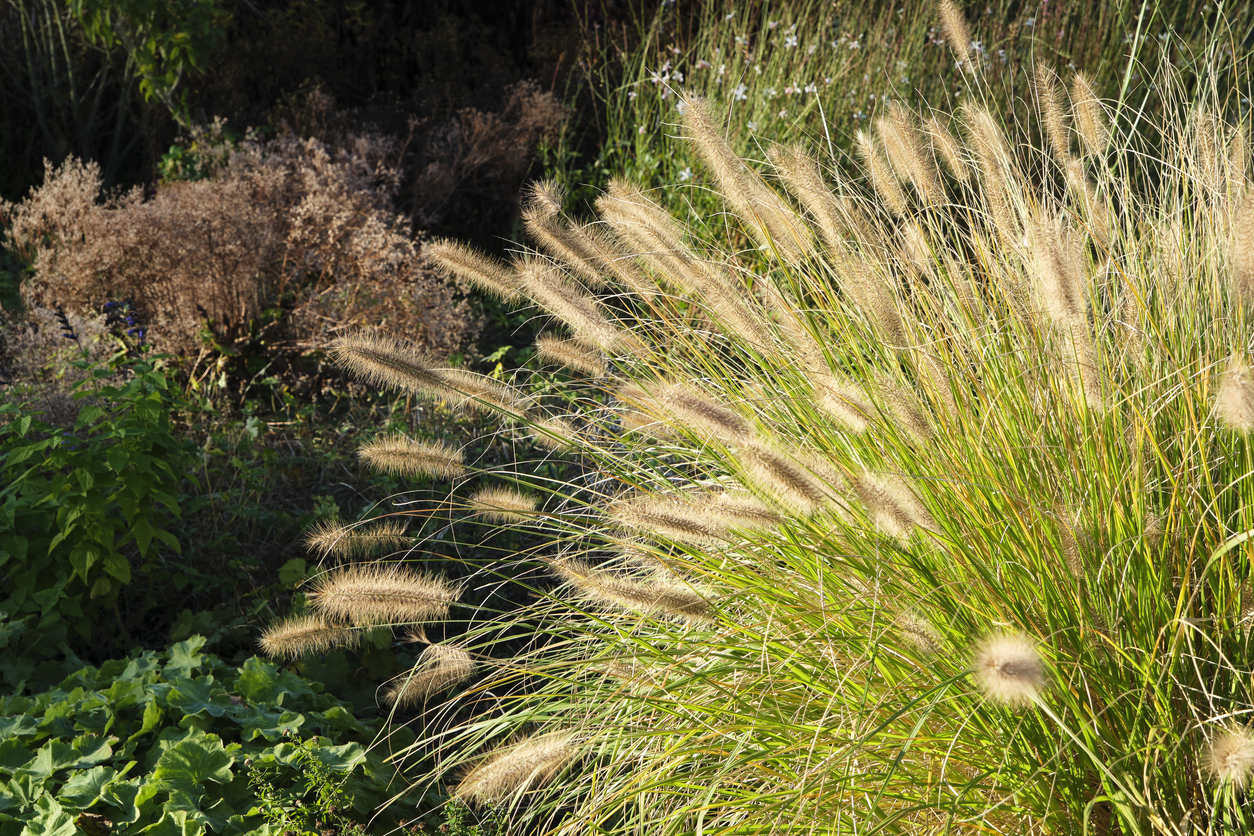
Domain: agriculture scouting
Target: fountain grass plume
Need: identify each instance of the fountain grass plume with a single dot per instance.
(377, 593)
(404, 456)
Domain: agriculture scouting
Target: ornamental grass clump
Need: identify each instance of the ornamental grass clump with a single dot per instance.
(935, 521)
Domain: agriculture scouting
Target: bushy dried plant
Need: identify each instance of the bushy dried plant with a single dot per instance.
(287, 233)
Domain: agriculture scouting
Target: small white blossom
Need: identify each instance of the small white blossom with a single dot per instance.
(631, 94)
(770, 92)
(812, 87)
(741, 40)
(641, 130)
(740, 93)
(686, 174)
(1030, 22)
(704, 65)
(790, 42)
(730, 16)
(753, 126)
(782, 114)
(771, 24)
(813, 49)
(855, 44)
(681, 106)
(677, 75)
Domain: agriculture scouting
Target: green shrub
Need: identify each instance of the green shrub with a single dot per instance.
(83, 509)
(175, 741)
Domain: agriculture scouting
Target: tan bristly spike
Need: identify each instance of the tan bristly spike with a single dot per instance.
(331, 537)
(997, 172)
(672, 518)
(555, 433)
(1060, 290)
(404, 456)
(384, 361)
(571, 353)
(780, 476)
(903, 405)
(544, 283)
(1088, 116)
(304, 634)
(653, 597)
(613, 259)
(377, 593)
(774, 223)
(1234, 398)
(882, 178)
(949, 148)
(438, 668)
(502, 505)
(801, 173)
(1053, 113)
(909, 155)
(894, 508)
(459, 262)
(517, 767)
(546, 196)
(842, 400)
(872, 296)
(1241, 251)
(700, 415)
(957, 37)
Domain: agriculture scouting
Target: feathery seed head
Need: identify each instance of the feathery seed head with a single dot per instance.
(305, 634)
(545, 284)
(518, 767)
(1089, 117)
(1009, 670)
(894, 508)
(770, 219)
(919, 633)
(545, 196)
(439, 667)
(843, 401)
(741, 511)
(908, 154)
(1234, 400)
(954, 27)
(381, 360)
(949, 148)
(503, 505)
(668, 517)
(1241, 251)
(1230, 756)
(882, 178)
(460, 262)
(369, 593)
(779, 475)
(697, 413)
(1053, 113)
(657, 596)
(331, 537)
(401, 455)
(572, 354)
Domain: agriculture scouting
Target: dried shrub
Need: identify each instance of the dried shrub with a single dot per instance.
(289, 232)
(469, 162)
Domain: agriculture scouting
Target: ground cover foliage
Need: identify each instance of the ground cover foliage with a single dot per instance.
(912, 501)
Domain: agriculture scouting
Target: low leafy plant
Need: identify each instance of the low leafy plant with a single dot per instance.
(173, 742)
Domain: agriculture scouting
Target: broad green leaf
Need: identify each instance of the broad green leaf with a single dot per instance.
(193, 696)
(50, 820)
(51, 758)
(265, 683)
(212, 816)
(273, 726)
(185, 657)
(13, 756)
(123, 694)
(93, 749)
(130, 798)
(26, 789)
(21, 726)
(189, 764)
(144, 668)
(174, 823)
(85, 788)
(339, 719)
(152, 719)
